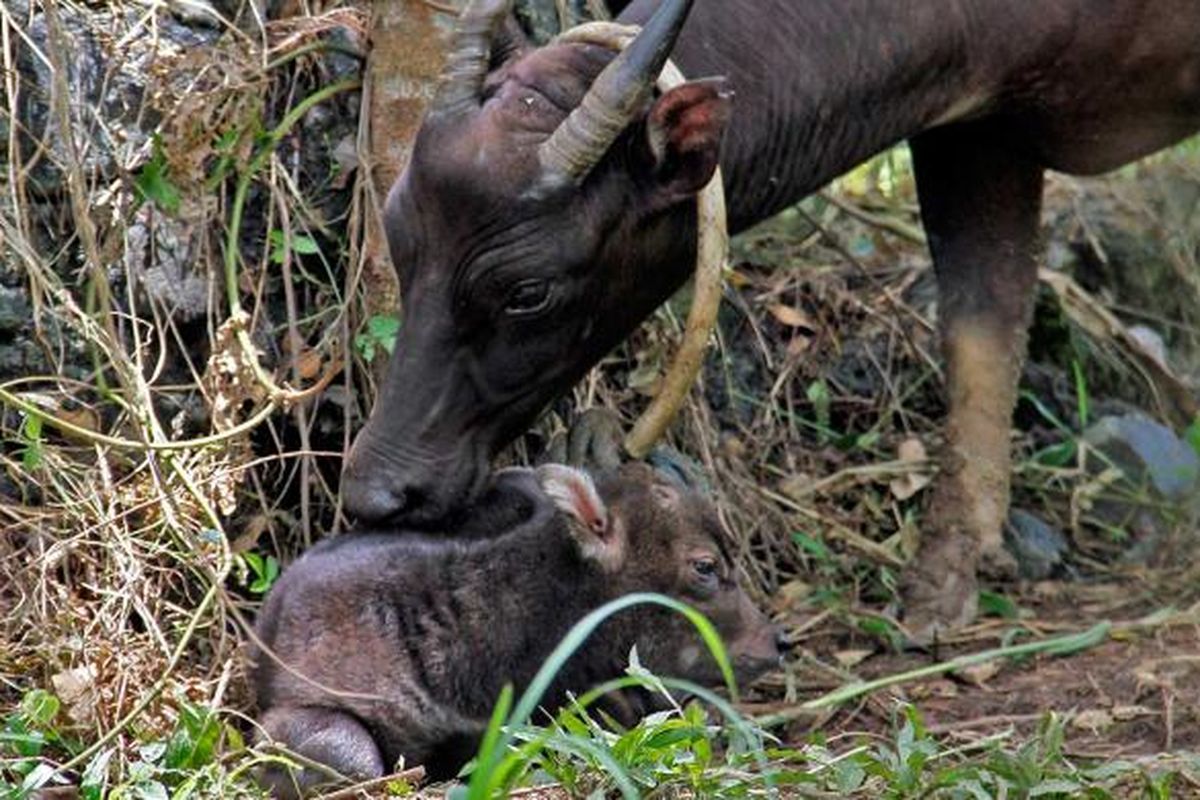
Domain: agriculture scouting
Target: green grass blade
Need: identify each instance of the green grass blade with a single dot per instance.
(483, 778)
(1081, 394)
(579, 745)
(492, 734)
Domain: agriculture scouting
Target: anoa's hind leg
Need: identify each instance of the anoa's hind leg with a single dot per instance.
(333, 739)
(980, 203)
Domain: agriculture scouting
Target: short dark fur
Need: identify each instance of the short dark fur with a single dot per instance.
(432, 628)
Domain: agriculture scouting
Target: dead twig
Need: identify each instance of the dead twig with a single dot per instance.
(890, 224)
(1061, 645)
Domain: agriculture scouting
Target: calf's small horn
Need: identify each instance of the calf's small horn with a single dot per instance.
(467, 62)
(616, 95)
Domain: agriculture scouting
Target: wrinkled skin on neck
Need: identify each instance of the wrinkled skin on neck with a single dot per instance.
(514, 284)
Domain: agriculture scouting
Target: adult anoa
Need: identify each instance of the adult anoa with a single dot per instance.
(548, 208)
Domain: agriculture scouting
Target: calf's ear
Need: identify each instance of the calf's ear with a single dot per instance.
(683, 137)
(594, 530)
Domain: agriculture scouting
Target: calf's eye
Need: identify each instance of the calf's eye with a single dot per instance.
(527, 297)
(706, 568)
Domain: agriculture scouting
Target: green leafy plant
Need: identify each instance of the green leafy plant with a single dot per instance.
(265, 571)
(992, 604)
(883, 630)
(822, 403)
(300, 244)
(25, 737)
(498, 764)
(913, 764)
(1063, 453)
(1082, 396)
(188, 764)
(814, 547)
(379, 333)
(185, 764)
(32, 447)
(679, 752)
(29, 729)
(153, 181)
(193, 743)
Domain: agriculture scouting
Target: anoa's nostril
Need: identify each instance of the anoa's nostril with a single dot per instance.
(783, 643)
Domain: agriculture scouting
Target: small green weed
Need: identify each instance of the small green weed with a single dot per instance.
(679, 752)
(300, 244)
(189, 763)
(1192, 434)
(993, 604)
(817, 549)
(883, 630)
(265, 571)
(1064, 452)
(379, 333)
(32, 448)
(822, 402)
(153, 182)
(499, 765)
(27, 732)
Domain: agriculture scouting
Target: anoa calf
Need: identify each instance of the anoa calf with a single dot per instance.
(377, 647)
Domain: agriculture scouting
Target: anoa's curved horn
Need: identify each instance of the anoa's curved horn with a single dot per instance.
(467, 62)
(617, 94)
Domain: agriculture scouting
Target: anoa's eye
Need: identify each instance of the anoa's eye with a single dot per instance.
(528, 297)
(705, 568)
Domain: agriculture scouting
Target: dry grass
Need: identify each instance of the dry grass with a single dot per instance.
(168, 432)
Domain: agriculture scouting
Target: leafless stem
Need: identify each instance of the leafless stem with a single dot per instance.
(711, 249)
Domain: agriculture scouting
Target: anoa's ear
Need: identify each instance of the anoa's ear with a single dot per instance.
(683, 133)
(588, 519)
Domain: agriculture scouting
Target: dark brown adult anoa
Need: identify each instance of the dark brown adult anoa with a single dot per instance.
(384, 646)
(548, 208)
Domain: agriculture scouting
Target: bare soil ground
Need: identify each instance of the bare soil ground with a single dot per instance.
(1136, 694)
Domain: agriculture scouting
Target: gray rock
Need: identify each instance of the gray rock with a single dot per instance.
(1150, 455)
(1037, 547)
(1158, 493)
(14, 310)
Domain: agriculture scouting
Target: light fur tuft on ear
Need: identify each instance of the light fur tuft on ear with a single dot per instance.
(588, 519)
(573, 492)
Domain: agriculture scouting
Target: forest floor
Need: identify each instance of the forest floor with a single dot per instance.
(1135, 695)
